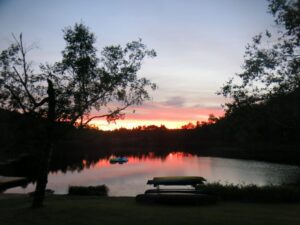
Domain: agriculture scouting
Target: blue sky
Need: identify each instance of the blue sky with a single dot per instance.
(200, 44)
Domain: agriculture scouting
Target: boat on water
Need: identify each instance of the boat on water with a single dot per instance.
(119, 160)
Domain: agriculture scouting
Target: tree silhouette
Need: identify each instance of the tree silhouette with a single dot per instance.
(271, 62)
(84, 82)
(70, 90)
(264, 111)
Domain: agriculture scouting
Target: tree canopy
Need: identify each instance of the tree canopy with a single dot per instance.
(263, 115)
(74, 88)
(83, 83)
(271, 61)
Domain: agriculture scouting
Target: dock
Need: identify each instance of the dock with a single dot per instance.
(10, 182)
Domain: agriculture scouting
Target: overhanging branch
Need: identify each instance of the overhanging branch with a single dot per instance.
(115, 112)
(15, 96)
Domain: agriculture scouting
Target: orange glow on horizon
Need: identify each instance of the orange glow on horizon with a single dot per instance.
(129, 124)
(158, 114)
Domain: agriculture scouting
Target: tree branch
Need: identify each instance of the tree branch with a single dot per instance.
(25, 87)
(23, 53)
(117, 111)
(42, 102)
(16, 98)
(24, 64)
(93, 100)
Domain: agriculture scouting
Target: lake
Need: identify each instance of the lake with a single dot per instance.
(129, 179)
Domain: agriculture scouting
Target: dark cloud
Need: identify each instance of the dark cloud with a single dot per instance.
(177, 101)
(203, 106)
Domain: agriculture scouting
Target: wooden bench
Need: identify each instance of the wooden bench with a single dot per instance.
(176, 196)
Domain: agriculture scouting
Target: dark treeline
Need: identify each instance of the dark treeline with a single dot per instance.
(261, 120)
(268, 131)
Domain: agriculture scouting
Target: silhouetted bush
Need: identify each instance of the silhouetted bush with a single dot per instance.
(253, 193)
(101, 190)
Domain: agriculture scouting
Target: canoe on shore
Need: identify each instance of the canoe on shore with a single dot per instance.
(177, 180)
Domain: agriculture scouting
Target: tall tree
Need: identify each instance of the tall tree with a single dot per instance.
(271, 62)
(83, 82)
(75, 89)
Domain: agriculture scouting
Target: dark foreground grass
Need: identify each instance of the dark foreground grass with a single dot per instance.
(253, 193)
(101, 190)
(73, 210)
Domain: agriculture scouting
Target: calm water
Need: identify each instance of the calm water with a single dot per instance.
(130, 179)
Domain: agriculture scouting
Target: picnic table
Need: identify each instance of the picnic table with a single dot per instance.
(176, 196)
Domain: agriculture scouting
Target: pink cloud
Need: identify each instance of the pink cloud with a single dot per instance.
(161, 111)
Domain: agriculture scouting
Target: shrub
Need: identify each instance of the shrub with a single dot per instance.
(253, 193)
(100, 190)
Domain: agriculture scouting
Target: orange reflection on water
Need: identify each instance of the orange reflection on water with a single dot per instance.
(178, 155)
(172, 156)
(130, 179)
(174, 163)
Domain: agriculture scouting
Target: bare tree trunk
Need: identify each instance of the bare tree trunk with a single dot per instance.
(46, 155)
(42, 179)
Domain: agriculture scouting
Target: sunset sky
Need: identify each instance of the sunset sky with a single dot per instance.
(199, 43)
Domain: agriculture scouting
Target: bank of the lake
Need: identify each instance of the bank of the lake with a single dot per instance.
(129, 179)
(14, 209)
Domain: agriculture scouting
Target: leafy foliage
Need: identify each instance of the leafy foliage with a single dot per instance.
(82, 81)
(69, 90)
(20, 88)
(271, 62)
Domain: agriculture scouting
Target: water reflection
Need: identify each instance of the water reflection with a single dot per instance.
(130, 179)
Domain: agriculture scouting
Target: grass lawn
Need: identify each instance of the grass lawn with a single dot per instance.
(73, 210)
